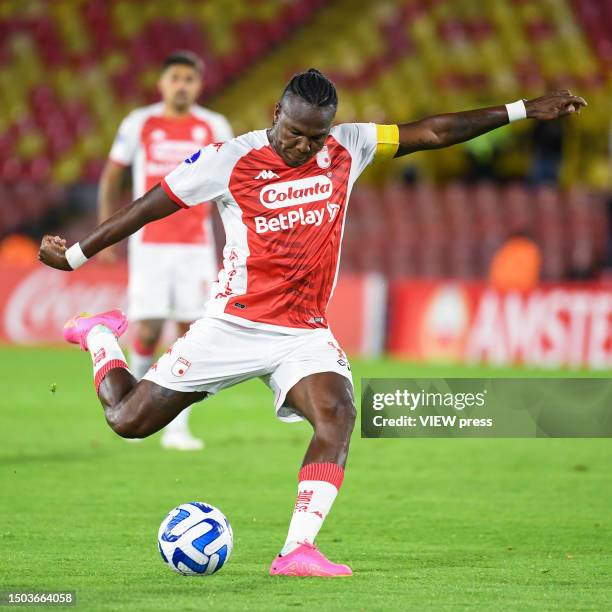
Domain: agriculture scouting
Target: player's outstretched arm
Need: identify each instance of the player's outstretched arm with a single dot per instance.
(444, 130)
(155, 204)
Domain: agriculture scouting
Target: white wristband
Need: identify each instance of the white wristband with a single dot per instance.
(516, 110)
(75, 256)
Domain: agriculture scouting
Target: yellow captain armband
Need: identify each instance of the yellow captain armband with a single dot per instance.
(387, 138)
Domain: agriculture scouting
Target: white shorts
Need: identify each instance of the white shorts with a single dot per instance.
(169, 281)
(215, 354)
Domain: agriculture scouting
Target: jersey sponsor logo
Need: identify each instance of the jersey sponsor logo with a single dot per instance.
(293, 193)
(172, 151)
(194, 157)
(180, 367)
(288, 220)
(266, 175)
(332, 209)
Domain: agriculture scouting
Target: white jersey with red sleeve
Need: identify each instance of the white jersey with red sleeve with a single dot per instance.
(283, 225)
(154, 145)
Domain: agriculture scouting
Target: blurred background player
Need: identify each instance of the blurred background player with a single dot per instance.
(171, 262)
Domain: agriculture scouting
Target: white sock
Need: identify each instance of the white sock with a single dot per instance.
(317, 489)
(180, 424)
(105, 351)
(140, 364)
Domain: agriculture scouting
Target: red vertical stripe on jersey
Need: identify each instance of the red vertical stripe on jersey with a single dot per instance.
(293, 246)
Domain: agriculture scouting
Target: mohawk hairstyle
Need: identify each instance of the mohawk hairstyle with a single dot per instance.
(184, 58)
(313, 87)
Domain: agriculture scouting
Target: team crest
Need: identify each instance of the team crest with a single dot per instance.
(323, 158)
(180, 367)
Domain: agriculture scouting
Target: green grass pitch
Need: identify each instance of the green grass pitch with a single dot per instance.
(427, 524)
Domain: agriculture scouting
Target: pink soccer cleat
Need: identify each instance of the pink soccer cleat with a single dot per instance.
(306, 560)
(77, 328)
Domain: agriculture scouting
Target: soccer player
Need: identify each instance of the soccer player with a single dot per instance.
(171, 262)
(282, 193)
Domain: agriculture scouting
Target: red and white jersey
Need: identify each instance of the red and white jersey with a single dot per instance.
(154, 145)
(283, 225)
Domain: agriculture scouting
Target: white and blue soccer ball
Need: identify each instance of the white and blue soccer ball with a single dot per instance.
(195, 539)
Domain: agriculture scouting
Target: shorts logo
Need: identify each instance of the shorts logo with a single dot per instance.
(323, 158)
(180, 367)
(293, 193)
(194, 157)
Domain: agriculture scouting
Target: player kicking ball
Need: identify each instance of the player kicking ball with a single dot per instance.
(282, 194)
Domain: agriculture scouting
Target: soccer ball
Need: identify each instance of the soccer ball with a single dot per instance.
(195, 539)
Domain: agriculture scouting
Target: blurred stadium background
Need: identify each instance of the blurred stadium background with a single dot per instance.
(498, 250)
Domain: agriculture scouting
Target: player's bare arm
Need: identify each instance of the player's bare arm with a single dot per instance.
(154, 205)
(440, 131)
(108, 196)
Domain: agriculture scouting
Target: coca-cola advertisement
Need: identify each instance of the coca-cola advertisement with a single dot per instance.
(36, 301)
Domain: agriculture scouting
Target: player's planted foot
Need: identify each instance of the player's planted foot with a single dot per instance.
(177, 435)
(307, 560)
(184, 441)
(77, 328)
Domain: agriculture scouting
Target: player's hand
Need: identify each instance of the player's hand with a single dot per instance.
(52, 253)
(555, 104)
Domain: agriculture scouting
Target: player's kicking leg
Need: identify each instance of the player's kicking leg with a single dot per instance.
(326, 401)
(132, 409)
